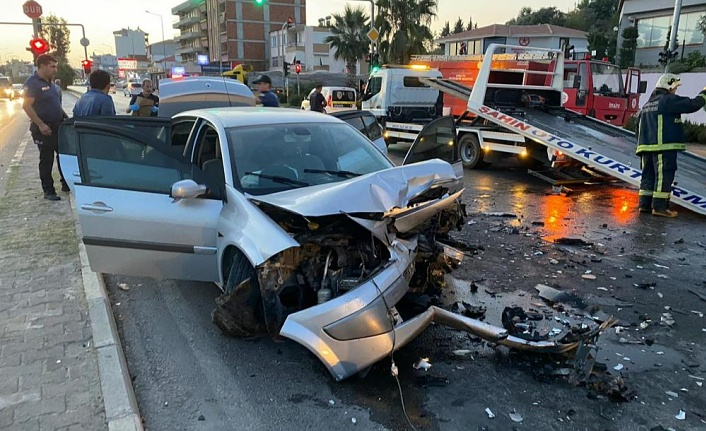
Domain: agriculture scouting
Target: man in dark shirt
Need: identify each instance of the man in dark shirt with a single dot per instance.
(43, 107)
(146, 93)
(96, 101)
(266, 97)
(317, 101)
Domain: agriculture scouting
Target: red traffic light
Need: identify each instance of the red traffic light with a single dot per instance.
(86, 65)
(298, 68)
(38, 46)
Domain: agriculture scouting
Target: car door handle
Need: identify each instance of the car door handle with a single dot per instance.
(96, 206)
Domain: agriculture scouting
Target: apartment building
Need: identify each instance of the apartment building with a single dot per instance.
(233, 30)
(130, 43)
(653, 19)
(306, 44)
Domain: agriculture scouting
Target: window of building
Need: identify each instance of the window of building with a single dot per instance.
(475, 47)
(652, 32)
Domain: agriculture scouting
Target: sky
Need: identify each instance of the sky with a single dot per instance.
(101, 17)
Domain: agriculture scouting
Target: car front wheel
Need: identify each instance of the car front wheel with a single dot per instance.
(239, 311)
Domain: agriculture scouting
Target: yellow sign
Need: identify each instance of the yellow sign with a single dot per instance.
(373, 34)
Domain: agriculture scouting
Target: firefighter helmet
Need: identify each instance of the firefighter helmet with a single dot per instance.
(668, 81)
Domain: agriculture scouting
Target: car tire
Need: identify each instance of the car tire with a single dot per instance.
(471, 152)
(239, 311)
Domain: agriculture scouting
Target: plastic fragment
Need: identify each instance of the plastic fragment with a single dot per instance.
(516, 417)
(681, 415)
(672, 394)
(618, 367)
(422, 364)
(491, 415)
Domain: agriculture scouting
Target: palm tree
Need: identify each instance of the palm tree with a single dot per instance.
(404, 27)
(349, 40)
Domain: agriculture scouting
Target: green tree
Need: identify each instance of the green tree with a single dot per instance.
(57, 33)
(446, 30)
(629, 46)
(469, 26)
(348, 39)
(545, 15)
(458, 27)
(404, 28)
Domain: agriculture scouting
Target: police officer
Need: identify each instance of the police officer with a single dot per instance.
(43, 107)
(660, 137)
(317, 101)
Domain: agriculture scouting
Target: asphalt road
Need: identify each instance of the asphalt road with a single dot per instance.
(188, 376)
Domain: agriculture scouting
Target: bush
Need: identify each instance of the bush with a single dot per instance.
(66, 73)
(295, 100)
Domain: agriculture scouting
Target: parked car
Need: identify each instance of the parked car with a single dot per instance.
(6, 90)
(132, 88)
(337, 98)
(365, 123)
(18, 89)
(309, 230)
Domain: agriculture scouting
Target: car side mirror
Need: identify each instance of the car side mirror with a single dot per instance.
(642, 87)
(186, 189)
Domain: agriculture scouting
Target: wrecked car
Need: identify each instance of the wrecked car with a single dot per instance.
(311, 232)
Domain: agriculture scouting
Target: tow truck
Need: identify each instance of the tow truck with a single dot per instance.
(515, 107)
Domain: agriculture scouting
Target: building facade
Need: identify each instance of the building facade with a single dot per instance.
(307, 45)
(653, 20)
(233, 30)
(476, 41)
(130, 43)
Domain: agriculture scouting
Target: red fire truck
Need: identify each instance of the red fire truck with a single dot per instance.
(593, 88)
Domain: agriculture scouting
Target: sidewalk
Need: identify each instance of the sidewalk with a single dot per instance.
(50, 377)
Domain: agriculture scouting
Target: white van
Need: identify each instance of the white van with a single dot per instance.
(337, 99)
(397, 94)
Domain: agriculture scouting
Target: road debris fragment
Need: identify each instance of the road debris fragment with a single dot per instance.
(123, 286)
(672, 394)
(516, 417)
(490, 414)
(588, 276)
(681, 415)
(572, 241)
(422, 364)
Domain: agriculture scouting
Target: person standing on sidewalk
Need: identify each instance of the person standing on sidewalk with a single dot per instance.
(317, 101)
(43, 107)
(660, 136)
(267, 97)
(96, 101)
(147, 94)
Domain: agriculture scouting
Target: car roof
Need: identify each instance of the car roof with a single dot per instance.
(258, 116)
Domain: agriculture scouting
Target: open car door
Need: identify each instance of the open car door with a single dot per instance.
(129, 222)
(437, 140)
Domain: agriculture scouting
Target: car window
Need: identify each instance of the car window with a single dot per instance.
(356, 122)
(374, 129)
(297, 154)
(123, 163)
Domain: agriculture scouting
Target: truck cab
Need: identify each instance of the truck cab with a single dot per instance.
(597, 89)
(397, 94)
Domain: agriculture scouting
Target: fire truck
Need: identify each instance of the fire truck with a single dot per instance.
(515, 105)
(593, 88)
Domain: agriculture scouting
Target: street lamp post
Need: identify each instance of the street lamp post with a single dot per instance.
(164, 47)
(282, 37)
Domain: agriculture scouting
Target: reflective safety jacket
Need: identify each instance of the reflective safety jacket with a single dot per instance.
(660, 127)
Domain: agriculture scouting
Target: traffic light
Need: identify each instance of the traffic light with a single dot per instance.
(285, 68)
(38, 46)
(298, 67)
(375, 63)
(663, 58)
(86, 65)
(259, 2)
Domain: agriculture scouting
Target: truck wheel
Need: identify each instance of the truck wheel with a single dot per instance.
(471, 153)
(239, 311)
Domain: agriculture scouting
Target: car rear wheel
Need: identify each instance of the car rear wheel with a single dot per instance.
(471, 152)
(239, 311)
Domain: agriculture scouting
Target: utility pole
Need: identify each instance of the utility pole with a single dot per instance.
(674, 36)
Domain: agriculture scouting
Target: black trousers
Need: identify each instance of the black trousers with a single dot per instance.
(48, 150)
(658, 171)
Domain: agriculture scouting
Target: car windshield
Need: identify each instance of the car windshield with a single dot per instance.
(607, 79)
(276, 157)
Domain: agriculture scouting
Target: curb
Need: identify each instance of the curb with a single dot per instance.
(119, 400)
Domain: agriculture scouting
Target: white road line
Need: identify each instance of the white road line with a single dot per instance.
(18, 154)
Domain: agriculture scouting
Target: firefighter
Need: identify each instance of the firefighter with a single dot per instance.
(660, 136)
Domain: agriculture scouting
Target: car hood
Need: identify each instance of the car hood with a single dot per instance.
(378, 192)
